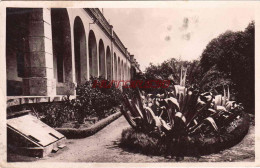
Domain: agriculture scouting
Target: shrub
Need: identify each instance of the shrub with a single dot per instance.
(140, 142)
(54, 114)
(97, 101)
(89, 102)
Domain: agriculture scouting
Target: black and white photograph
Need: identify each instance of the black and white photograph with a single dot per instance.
(107, 84)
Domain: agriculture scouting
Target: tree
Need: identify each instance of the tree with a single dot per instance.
(226, 60)
(229, 60)
(171, 70)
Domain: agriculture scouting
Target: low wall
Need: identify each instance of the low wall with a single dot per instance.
(74, 133)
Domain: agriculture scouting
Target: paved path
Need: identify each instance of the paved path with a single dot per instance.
(102, 147)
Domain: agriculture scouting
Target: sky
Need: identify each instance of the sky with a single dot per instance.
(154, 35)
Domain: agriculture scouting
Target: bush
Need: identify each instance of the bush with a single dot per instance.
(54, 114)
(140, 142)
(89, 102)
(95, 101)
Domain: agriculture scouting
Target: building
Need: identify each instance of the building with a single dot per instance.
(50, 51)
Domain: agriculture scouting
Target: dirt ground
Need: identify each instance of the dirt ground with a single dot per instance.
(103, 147)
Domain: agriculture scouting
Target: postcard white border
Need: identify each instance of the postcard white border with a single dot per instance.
(254, 5)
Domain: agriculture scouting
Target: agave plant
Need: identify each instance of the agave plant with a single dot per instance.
(180, 112)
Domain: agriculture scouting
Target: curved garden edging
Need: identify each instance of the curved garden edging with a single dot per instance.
(74, 133)
(143, 143)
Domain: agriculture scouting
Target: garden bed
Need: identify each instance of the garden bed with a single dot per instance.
(192, 146)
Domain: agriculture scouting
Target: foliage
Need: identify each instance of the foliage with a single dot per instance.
(54, 114)
(148, 144)
(141, 142)
(171, 70)
(90, 102)
(214, 80)
(181, 118)
(178, 113)
(97, 101)
(229, 60)
(226, 60)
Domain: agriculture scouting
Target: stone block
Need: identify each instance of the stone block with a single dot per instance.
(35, 59)
(35, 82)
(25, 86)
(36, 44)
(36, 28)
(38, 91)
(36, 14)
(27, 60)
(41, 44)
(14, 88)
(38, 86)
(41, 27)
(35, 71)
(38, 59)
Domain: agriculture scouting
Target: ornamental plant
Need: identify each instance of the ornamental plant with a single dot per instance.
(181, 114)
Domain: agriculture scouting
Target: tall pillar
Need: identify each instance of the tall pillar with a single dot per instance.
(112, 52)
(38, 77)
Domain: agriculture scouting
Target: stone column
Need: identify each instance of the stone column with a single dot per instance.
(39, 78)
(112, 53)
